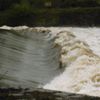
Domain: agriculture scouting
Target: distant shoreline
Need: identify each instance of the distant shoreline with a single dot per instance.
(83, 17)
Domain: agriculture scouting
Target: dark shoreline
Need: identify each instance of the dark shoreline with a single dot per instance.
(40, 94)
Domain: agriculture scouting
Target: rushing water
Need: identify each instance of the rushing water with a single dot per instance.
(30, 57)
(80, 55)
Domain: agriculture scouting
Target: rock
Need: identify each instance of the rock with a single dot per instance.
(40, 94)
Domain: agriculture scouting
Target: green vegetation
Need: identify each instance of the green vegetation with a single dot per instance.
(50, 12)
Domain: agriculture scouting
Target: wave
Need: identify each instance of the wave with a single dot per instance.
(76, 50)
(28, 57)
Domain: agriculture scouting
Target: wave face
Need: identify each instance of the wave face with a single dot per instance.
(28, 57)
(80, 56)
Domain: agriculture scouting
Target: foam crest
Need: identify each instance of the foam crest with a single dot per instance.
(82, 66)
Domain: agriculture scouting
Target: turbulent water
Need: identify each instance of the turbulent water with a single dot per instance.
(31, 57)
(80, 56)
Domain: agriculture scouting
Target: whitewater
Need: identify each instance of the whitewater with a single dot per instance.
(79, 58)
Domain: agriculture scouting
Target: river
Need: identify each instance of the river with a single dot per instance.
(57, 58)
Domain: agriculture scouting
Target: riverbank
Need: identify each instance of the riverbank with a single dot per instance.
(87, 16)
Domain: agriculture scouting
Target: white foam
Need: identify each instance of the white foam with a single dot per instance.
(82, 62)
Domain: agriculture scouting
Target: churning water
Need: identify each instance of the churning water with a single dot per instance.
(80, 55)
(33, 56)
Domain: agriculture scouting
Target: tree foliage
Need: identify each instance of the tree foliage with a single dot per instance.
(7, 4)
(49, 12)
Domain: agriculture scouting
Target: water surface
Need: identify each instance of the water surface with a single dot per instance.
(27, 59)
